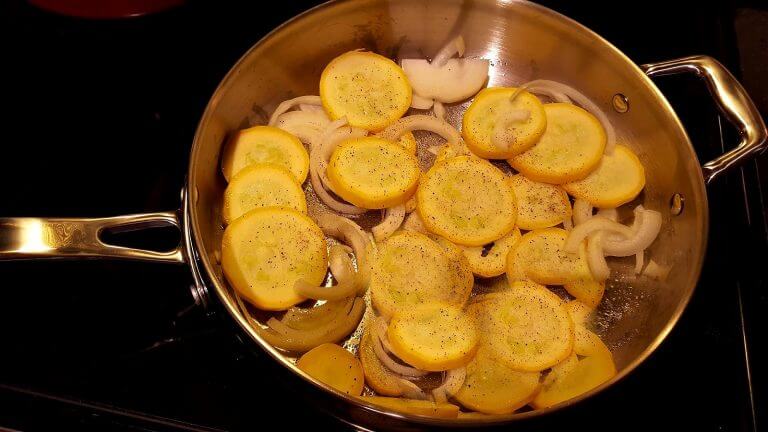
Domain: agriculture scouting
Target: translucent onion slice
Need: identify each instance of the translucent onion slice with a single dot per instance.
(306, 319)
(428, 123)
(288, 105)
(452, 382)
(501, 137)
(343, 271)
(422, 103)
(305, 125)
(453, 47)
(349, 233)
(410, 205)
(390, 363)
(304, 340)
(457, 80)
(411, 390)
(439, 110)
(609, 213)
(582, 211)
(657, 271)
(393, 218)
(639, 260)
(649, 225)
(557, 88)
(594, 224)
(595, 257)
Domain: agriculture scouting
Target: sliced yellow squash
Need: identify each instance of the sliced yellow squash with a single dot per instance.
(377, 376)
(539, 256)
(262, 185)
(335, 366)
(588, 291)
(580, 313)
(617, 180)
(410, 269)
(372, 172)
(265, 251)
(487, 113)
(491, 260)
(433, 336)
(528, 327)
(575, 376)
(415, 406)
(370, 90)
(539, 205)
(492, 387)
(467, 200)
(569, 149)
(265, 144)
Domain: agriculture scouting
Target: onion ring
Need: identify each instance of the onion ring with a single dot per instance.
(452, 382)
(648, 227)
(455, 46)
(287, 105)
(393, 218)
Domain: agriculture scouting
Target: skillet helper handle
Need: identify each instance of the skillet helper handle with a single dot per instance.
(732, 101)
(34, 238)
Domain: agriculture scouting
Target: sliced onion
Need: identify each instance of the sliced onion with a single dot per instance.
(287, 105)
(540, 86)
(582, 211)
(414, 223)
(609, 213)
(303, 340)
(456, 80)
(595, 257)
(306, 319)
(315, 176)
(380, 327)
(423, 122)
(567, 223)
(648, 227)
(439, 110)
(452, 382)
(455, 46)
(306, 125)
(393, 218)
(501, 138)
(343, 271)
(350, 233)
(391, 364)
(422, 103)
(657, 271)
(594, 224)
(639, 259)
(411, 390)
(311, 107)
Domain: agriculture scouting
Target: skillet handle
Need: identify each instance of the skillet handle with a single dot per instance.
(731, 99)
(33, 238)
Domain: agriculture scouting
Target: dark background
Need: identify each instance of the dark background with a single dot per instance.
(98, 121)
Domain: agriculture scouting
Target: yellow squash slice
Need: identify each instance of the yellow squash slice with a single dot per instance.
(617, 180)
(415, 406)
(492, 387)
(539, 205)
(467, 200)
(528, 327)
(433, 336)
(335, 366)
(491, 260)
(588, 291)
(575, 375)
(580, 313)
(489, 111)
(373, 173)
(539, 256)
(262, 185)
(370, 90)
(569, 149)
(377, 376)
(410, 269)
(265, 251)
(265, 144)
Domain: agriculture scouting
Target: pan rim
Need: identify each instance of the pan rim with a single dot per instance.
(234, 311)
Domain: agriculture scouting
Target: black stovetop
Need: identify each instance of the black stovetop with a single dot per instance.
(99, 119)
